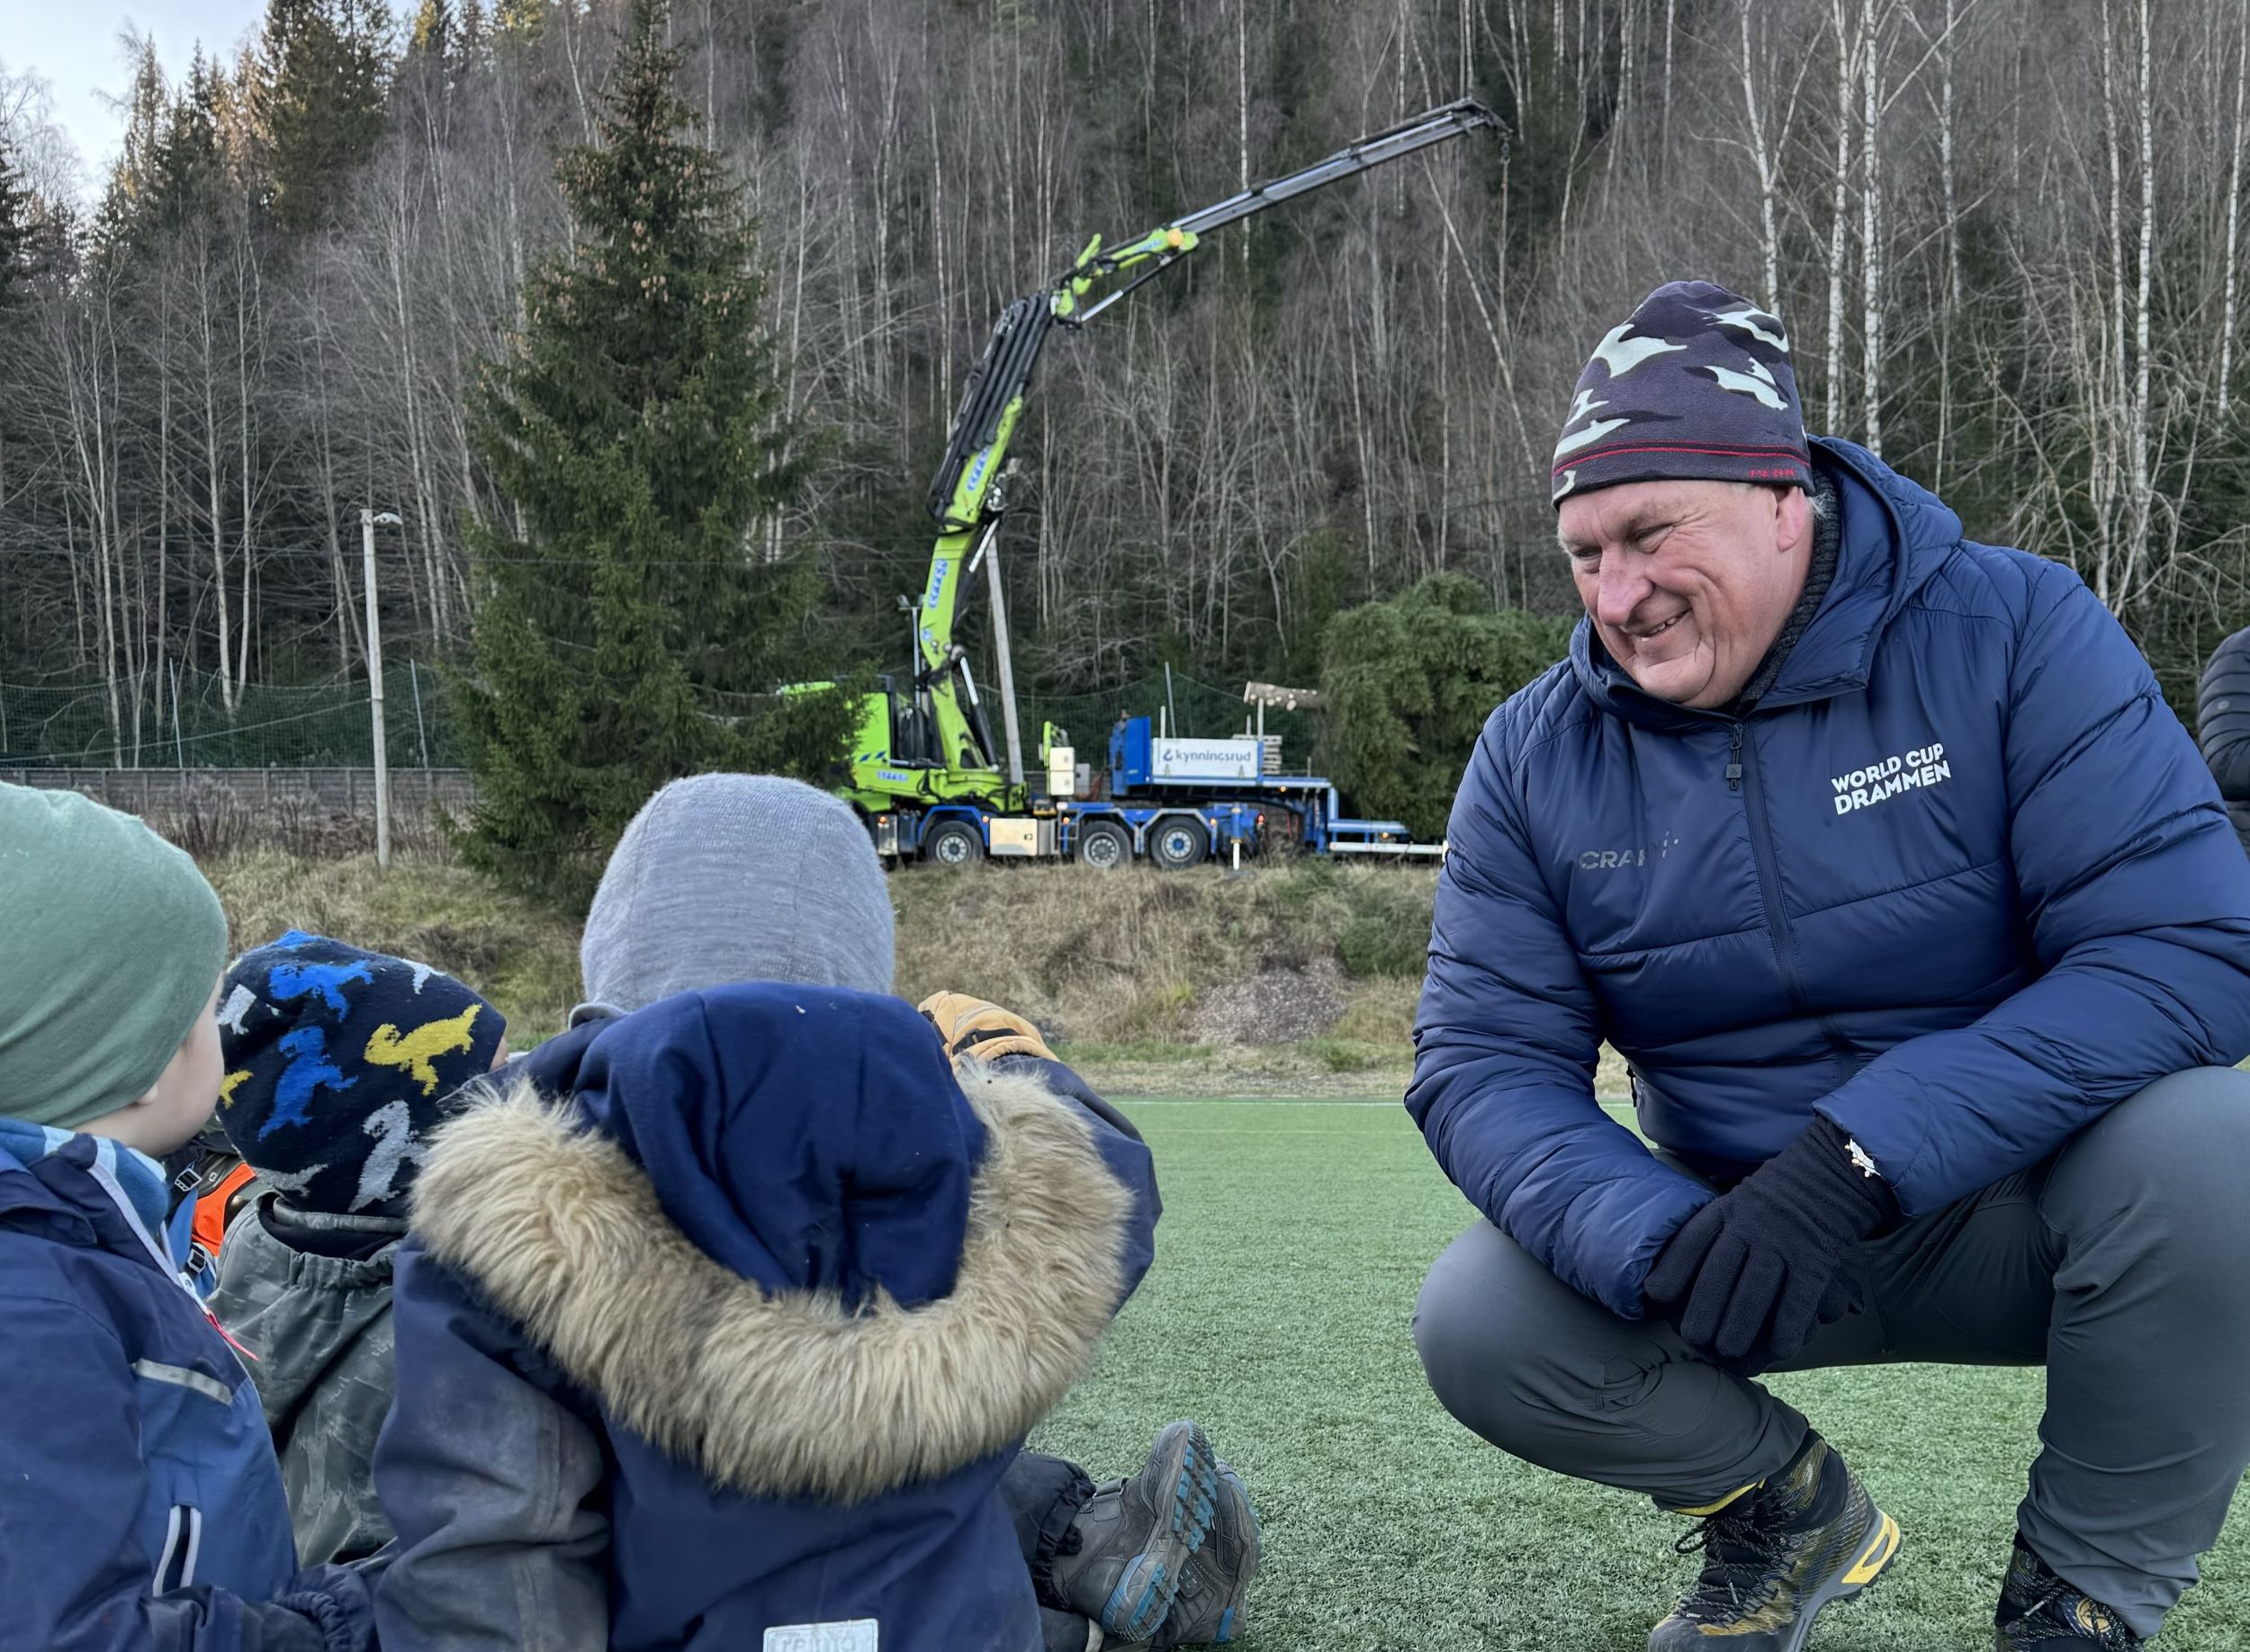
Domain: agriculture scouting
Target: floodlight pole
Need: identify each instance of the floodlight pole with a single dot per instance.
(367, 520)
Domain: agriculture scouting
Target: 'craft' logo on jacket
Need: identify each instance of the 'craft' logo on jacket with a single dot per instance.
(1863, 789)
(1637, 855)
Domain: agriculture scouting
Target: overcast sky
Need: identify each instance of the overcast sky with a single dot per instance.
(73, 45)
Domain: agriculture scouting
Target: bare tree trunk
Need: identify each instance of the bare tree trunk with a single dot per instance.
(1949, 314)
(246, 431)
(1871, 227)
(214, 474)
(95, 443)
(944, 387)
(1242, 108)
(1839, 209)
(164, 491)
(2234, 221)
(2102, 448)
(710, 73)
(2142, 496)
(1761, 157)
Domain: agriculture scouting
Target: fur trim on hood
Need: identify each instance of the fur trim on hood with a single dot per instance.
(788, 1395)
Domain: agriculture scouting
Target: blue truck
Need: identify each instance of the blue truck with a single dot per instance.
(1165, 799)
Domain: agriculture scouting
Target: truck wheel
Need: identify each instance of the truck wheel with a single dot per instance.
(1179, 840)
(1103, 846)
(953, 843)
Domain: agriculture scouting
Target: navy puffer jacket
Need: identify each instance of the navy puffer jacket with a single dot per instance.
(2222, 719)
(1961, 882)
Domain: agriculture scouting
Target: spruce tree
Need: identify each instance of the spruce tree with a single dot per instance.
(16, 234)
(190, 170)
(320, 100)
(469, 39)
(1409, 684)
(431, 37)
(628, 634)
(120, 223)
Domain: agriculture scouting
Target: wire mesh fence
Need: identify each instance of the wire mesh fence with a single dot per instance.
(187, 719)
(195, 720)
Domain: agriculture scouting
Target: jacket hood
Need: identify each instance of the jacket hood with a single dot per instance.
(807, 1139)
(1895, 535)
(772, 1234)
(26, 1198)
(82, 1191)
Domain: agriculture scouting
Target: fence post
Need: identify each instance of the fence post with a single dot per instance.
(421, 734)
(367, 520)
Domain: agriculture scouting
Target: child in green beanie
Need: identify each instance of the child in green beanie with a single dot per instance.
(142, 1488)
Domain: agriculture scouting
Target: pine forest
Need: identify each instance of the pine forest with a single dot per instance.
(2005, 236)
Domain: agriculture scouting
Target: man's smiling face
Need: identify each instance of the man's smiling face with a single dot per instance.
(1687, 582)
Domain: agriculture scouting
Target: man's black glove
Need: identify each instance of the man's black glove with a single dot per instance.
(1757, 1270)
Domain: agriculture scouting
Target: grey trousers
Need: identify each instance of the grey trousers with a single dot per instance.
(2122, 1264)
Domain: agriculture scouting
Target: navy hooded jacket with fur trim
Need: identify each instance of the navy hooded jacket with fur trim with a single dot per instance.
(728, 1317)
(1960, 883)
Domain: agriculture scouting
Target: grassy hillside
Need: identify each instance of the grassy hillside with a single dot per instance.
(520, 955)
(1250, 982)
(1264, 982)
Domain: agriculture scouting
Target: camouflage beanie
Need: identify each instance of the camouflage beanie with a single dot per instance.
(1696, 386)
(111, 946)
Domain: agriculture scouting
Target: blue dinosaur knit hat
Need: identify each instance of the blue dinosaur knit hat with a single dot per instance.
(340, 1063)
(1695, 386)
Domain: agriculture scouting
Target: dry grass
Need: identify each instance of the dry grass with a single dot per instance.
(1113, 967)
(212, 824)
(1125, 958)
(520, 955)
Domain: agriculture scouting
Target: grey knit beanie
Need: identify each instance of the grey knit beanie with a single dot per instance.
(722, 878)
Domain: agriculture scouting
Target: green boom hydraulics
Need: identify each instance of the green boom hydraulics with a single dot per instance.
(926, 741)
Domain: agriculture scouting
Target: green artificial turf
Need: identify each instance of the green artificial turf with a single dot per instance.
(1295, 1235)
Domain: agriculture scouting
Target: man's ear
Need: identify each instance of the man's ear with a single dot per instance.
(1793, 529)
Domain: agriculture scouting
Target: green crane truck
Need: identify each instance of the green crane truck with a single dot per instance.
(926, 770)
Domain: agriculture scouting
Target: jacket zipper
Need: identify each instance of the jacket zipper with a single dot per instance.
(1742, 770)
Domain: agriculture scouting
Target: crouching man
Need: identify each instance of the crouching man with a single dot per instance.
(1877, 854)
(723, 1325)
